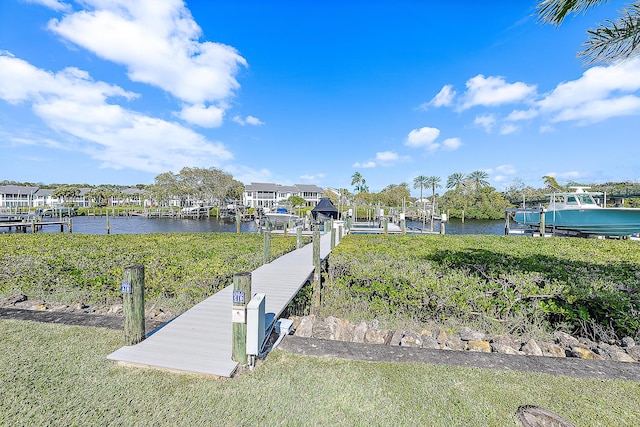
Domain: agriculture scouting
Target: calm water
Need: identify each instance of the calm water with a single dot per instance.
(140, 225)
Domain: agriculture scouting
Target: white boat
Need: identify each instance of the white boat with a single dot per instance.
(578, 212)
(280, 216)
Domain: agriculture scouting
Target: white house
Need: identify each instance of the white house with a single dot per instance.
(259, 194)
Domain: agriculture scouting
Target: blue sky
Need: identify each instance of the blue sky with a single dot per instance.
(118, 91)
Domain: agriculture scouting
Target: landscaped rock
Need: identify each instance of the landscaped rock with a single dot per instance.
(583, 353)
(634, 352)
(14, 299)
(429, 341)
(478, 346)
(565, 345)
(531, 348)
(503, 348)
(565, 340)
(411, 339)
(552, 350)
(628, 342)
(375, 336)
(305, 330)
(359, 332)
(467, 334)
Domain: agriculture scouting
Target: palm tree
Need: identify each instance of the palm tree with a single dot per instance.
(434, 182)
(608, 42)
(551, 182)
(478, 179)
(420, 181)
(356, 178)
(456, 180)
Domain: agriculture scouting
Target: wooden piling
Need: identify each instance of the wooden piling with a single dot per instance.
(267, 246)
(132, 288)
(298, 237)
(316, 268)
(542, 224)
(108, 224)
(238, 219)
(333, 238)
(241, 297)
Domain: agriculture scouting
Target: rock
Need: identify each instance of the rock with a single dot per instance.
(621, 356)
(305, 329)
(628, 342)
(467, 334)
(430, 342)
(477, 346)
(440, 336)
(634, 352)
(503, 348)
(323, 330)
(375, 336)
(583, 353)
(552, 350)
(79, 306)
(343, 330)
(565, 340)
(411, 339)
(396, 338)
(359, 332)
(531, 348)
(503, 340)
(454, 343)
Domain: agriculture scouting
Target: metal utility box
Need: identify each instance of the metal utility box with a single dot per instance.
(255, 324)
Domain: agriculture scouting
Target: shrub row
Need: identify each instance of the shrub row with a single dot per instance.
(586, 286)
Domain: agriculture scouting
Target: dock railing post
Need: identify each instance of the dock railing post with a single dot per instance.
(506, 223)
(316, 268)
(238, 219)
(333, 238)
(542, 224)
(241, 297)
(298, 237)
(386, 225)
(339, 233)
(132, 288)
(267, 246)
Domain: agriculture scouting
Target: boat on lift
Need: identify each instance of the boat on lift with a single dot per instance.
(578, 213)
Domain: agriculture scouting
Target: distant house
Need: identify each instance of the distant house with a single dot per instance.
(12, 196)
(261, 195)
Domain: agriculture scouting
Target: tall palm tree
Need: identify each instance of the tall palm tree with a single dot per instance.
(606, 43)
(478, 179)
(433, 182)
(420, 182)
(359, 182)
(456, 180)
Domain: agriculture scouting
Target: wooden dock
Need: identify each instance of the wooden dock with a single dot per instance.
(200, 340)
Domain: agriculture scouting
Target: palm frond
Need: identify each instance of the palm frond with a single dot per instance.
(614, 40)
(555, 11)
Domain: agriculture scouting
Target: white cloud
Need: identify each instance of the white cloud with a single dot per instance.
(249, 120)
(570, 175)
(493, 91)
(486, 121)
(314, 178)
(508, 129)
(506, 169)
(518, 115)
(200, 115)
(158, 44)
(423, 137)
(444, 98)
(451, 144)
(600, 93)
(387, 156)
(79, 109)
(364, 165)
(56, 5)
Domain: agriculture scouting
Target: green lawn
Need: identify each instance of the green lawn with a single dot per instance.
(59, 375)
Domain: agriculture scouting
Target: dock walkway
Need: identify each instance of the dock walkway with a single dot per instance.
(200, 340)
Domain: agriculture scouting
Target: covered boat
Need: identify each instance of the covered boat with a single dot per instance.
(578, 212)
(324, 210)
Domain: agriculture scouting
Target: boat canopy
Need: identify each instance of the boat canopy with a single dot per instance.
(324, 210)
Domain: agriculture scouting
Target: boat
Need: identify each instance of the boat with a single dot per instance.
(578, 213)
(280, 216)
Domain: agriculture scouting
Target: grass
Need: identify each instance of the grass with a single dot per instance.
(59, 375)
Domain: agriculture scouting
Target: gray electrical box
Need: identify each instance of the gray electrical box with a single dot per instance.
(255, 324)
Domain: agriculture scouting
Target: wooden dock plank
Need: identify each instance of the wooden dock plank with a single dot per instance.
(199, 340)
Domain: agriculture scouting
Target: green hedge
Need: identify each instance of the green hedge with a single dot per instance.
(180, 268)
(589, 286)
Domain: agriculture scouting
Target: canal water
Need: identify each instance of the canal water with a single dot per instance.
(141, 225)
